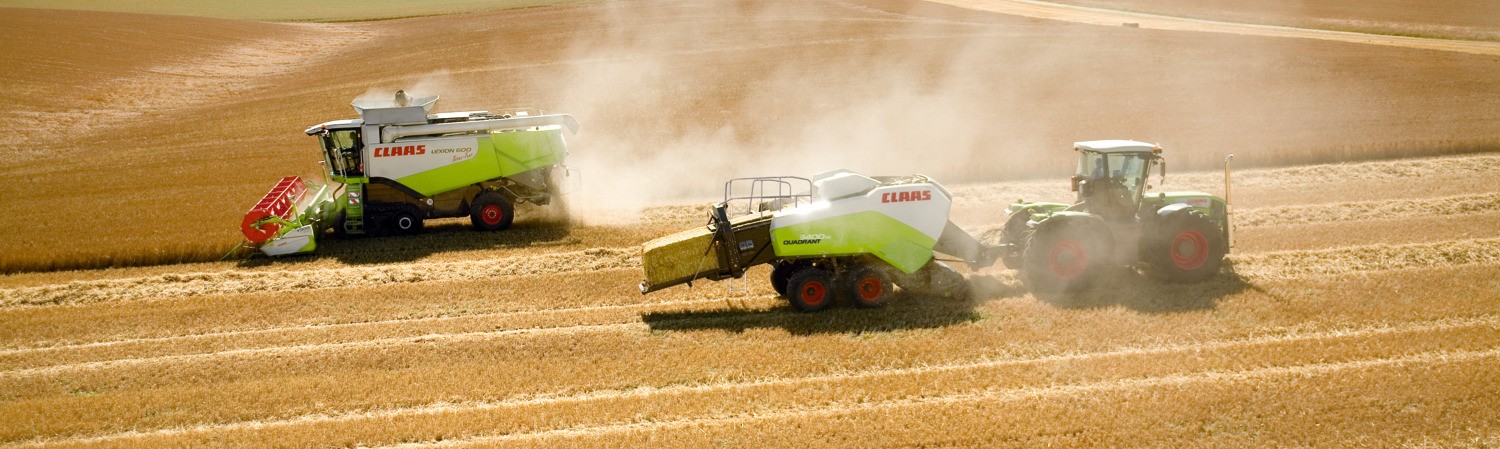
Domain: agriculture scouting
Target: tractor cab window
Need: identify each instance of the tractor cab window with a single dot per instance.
(1126, 169)
(343, 147)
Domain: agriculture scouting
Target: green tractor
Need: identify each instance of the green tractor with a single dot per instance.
(1175, 236)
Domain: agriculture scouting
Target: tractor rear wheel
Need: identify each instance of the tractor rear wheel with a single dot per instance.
(1187, 247)
(810, 289)
(1067, 253)
(866, 286)
(491, 212)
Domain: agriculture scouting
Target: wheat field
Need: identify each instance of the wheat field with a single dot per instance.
(1360, 306)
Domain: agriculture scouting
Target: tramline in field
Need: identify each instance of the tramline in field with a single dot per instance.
(399, 164)
(845, 235)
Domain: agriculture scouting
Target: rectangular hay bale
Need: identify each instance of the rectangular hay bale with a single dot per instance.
(679, 256)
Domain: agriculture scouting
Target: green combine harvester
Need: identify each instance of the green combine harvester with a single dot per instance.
(398, 165)
(843, 235)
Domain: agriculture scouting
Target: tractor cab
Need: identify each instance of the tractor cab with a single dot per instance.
(1111, 176)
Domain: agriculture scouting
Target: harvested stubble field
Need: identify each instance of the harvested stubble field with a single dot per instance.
(1362, 307)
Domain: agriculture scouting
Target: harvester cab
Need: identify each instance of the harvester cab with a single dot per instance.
(1177, 236)
(399, 164)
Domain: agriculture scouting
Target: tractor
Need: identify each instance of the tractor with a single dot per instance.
(1174, 236)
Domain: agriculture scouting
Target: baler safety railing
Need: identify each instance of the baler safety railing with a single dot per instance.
(765, 194)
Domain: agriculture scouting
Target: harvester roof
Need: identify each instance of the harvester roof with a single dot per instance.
(1116, 146)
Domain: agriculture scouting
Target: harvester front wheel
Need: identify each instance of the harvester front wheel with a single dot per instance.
(1066, 253)
(405, 222)
(867, 286)
(810, 289)
(1188, 247)
(491, 212)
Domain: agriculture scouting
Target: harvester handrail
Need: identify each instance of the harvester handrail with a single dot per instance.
(758, 193)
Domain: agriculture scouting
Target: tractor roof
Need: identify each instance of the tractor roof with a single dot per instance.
(1116, 146)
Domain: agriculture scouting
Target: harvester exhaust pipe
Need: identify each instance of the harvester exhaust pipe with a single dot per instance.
(1228, 209)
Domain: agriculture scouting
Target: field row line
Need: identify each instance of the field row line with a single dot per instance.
(243, 282)
(321, 347)
(1369, 210)
(20, 351)
(1273, 265)
(999, 395)
(1291, 336)
(1367, 258)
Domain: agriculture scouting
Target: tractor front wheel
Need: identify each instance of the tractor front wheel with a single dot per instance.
(1066, 254)
(867, 286)
(1188, 247)
(491, 212)
(810, 289)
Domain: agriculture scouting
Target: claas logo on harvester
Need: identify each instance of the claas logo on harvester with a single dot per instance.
(409, 150)
(902, 197)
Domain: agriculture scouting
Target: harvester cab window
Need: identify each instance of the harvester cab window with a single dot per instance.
(343, 148)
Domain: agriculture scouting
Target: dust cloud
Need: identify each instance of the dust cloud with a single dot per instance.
(672, 111)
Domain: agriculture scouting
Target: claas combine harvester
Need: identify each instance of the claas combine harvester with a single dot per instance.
(399, 164)
(844, 235)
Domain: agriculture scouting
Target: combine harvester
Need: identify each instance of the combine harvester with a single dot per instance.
(398, 164)
(845, 235)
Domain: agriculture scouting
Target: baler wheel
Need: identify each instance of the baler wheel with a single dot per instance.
(810, 289)
(491, 212)
(867, 286)
(781, 273)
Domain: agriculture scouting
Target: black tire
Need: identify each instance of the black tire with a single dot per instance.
(866, 286)
(810, 289)
(1186, 247)
(406, 221)
(491, 212)
(781, 273)
(1067, 253)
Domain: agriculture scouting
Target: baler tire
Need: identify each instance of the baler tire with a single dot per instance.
(1066, 254)
(810, 289)
(1188, 247)
(491, 212)
(781, 273)
(866, 286)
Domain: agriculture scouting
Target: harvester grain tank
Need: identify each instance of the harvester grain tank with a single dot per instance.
(839, 234)
(399, 164)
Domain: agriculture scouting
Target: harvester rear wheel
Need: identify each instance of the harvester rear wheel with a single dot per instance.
(867, 286)
(1066, 253)
(810, 289)
(1188, 247)
(491, 212)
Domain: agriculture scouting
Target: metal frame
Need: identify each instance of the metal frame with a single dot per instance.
(758, 191)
